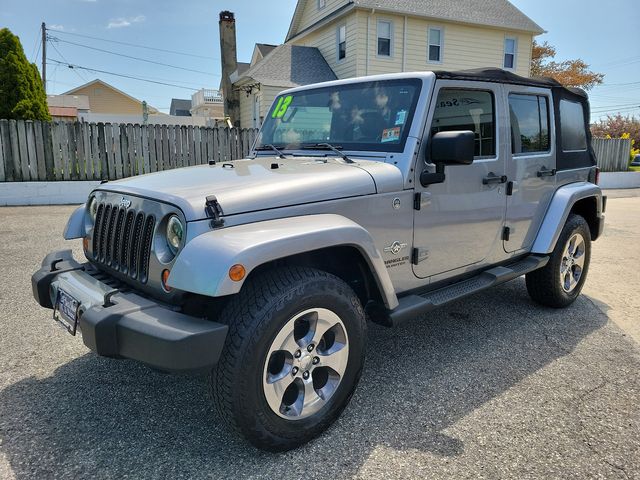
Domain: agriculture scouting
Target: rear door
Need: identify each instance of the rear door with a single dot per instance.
(531, 163)
(460, 220)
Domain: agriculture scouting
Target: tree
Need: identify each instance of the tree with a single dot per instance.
(570, 73)
(22, 94)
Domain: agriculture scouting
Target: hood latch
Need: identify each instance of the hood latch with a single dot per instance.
(214, 211)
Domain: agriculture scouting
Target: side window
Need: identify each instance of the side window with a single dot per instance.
(435, 45)
(529, 116)
(342, 42)
(458, 109)
(572, 126)
(384, 38)
(510, 47)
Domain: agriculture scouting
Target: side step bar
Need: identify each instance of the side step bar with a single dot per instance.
(412, 306)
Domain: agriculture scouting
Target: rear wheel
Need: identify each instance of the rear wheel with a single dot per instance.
(292, 359)
(560, 282)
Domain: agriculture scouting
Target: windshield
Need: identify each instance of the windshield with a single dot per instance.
(368, 116)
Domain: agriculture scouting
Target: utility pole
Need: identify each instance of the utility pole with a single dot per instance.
(44, 56)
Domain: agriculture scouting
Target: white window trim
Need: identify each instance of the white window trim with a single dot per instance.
(441, 29)
(515, 53)
(321, 4)
(391, 34)
(338, 59)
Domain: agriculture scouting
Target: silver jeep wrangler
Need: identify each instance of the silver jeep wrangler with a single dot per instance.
(370, 199)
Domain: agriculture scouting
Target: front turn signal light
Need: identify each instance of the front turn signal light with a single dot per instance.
(165, 277)
(237, 272)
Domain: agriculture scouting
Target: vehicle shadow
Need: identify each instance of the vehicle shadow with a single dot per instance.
(100, 418)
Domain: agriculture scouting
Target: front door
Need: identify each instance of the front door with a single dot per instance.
(459, 224)
(531, 164)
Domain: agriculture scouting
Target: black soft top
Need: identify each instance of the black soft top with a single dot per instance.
(497, 75)
(565, 160)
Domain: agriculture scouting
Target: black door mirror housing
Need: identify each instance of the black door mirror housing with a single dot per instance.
(453, 148)
(448, 148)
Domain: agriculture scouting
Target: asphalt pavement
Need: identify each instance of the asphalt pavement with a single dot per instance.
(493, 386)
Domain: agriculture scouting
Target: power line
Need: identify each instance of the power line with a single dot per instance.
(71, 65)
(617, 110)
(134, 45)
(63, 57)
(134, 58)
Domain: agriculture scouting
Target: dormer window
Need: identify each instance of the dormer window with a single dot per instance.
(322, 4)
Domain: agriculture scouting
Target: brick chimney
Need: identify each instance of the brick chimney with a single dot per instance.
(229, 58)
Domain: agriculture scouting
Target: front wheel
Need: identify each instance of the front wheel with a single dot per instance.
(292, 359)
(559, 283)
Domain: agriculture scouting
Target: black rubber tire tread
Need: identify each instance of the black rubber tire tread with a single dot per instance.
(543, 284)
(250, 314)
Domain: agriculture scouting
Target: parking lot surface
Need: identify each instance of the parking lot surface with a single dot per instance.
(493, 386)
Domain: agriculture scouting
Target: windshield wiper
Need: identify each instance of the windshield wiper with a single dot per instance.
(328, 146)
(272, 148)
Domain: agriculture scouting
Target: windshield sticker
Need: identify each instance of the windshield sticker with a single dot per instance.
(282, 106)
(390, 134)
(401, 117)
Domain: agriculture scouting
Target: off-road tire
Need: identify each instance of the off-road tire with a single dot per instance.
(255, 316)
(545, 285)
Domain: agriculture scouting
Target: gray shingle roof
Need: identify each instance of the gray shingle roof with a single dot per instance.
(497, 13)
(290, 66)
(179, 104)
(265, 48)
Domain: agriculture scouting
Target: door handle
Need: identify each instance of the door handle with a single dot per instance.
(543, 172)
(493, 179)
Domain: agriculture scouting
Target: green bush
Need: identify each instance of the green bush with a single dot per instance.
(22, 94)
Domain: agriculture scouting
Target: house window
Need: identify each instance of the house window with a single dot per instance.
(529, 116)
(435, 45)
(510, 45)
(322, 4)
(342, 42)
(384, 38)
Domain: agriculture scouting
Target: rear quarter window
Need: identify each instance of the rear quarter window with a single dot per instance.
(572, 126)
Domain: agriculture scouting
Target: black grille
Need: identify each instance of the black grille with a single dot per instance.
(122, 240)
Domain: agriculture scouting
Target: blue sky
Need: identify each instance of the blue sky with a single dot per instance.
(608, 38)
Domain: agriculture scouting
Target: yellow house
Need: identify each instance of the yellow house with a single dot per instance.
(107, 99)
(368, 37)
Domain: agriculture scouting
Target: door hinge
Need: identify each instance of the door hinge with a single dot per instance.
(506, 231)
(418, 255)
(509, 190)
(421, 199)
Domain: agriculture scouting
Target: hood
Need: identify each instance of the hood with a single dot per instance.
(257, 184)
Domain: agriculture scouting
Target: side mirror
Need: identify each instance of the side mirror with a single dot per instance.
(453, 148)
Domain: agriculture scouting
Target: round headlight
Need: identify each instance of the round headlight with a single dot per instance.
(175, 232)
(93, 209)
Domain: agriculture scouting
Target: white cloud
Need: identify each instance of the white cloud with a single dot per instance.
(55, 26)
(125, 22)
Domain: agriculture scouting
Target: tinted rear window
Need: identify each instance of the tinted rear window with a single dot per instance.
(574, 136)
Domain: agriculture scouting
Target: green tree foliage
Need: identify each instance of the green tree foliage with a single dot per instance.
(22, 94)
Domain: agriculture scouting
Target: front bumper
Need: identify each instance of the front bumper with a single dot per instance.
(126, 325)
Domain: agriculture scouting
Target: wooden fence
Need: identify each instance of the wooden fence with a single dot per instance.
(612, 153)
(44, 151)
